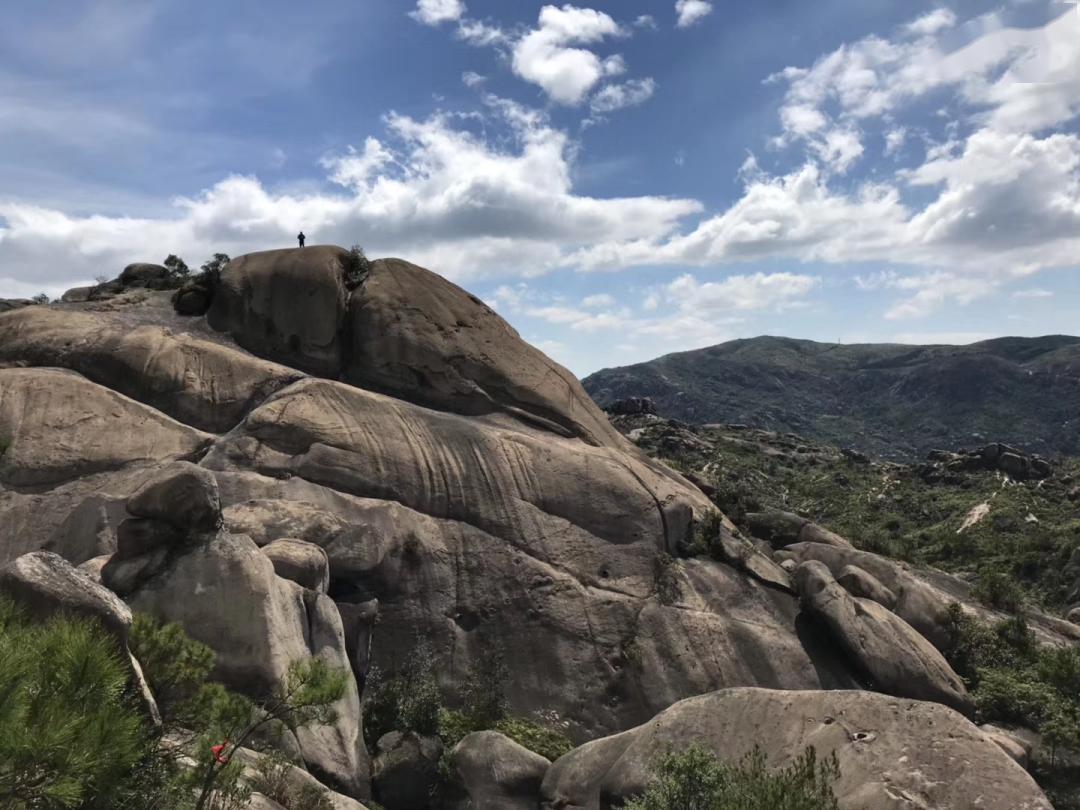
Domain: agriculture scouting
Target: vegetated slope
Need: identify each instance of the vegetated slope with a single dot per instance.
(888, 400)
(980, 524)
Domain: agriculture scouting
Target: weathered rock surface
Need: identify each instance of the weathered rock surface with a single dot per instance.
(492, 772)
(918, 603)
(859, 583)
(304, 563)
(46, 584)
(225, 593)
(59, 426)
(287, 305)
(143, 274)
(1012, 744)
(893, 753)
(417, 336)
(9, 304)
(182, 495)
(405, 770)
(201, 383)
(900, 661)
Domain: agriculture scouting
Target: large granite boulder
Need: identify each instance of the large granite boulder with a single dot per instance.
(225, 593)
(304, 563)
(182, 495)
(419, 337)
(405, 771)
(145, 274)
(489, 771)
(899, 660)
(287, 305)
(894, 754)
(58, 426)
(197, 381)
(46, 585)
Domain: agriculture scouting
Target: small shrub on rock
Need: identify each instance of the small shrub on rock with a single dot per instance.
(694, 779)
(176, 266)
(212, 269)
(999, 590)
(356, 266)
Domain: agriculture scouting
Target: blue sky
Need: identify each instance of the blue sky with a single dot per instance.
(619, 179)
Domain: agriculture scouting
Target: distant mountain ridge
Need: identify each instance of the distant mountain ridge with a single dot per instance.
(889, 400)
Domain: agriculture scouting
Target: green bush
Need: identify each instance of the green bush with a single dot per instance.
(694, 779)
(212, 270)
(70, 734)
(704, 536)
(410, 700)
(405, 700)
(998, 590)
(1015, 680)
(41, 298)
(538, 738)
(355, 266)
(176, 266)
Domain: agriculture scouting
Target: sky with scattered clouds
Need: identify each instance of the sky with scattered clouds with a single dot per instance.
(619, 180)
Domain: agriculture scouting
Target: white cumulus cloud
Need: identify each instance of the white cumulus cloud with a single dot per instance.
(689, 12)
(545, 56)
(436, 12)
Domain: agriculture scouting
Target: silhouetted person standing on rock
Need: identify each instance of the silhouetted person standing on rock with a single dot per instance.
(300, 238)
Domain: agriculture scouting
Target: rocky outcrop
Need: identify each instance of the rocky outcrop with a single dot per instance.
(918, 603)
(1012, 744)
(295, 778)
(183, 495)
(899, 660)
(418, 337)
(144, 274)
(492, 772)
(1015, 463)
(892, 752)
(9, 304)
(782, 529)
(46, 585)
(449, 479)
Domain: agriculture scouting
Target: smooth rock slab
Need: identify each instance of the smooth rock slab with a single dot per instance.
(894, 754)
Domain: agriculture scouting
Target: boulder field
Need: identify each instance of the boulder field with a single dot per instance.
(337, 469)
